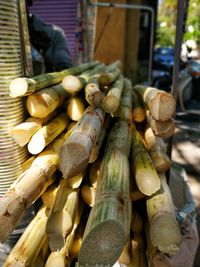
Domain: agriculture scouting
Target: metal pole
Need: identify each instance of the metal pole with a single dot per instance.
(177, 52)
(140, 7)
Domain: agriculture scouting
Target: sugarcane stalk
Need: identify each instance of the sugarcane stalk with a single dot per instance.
(42, 103)
(47, 134)
(26, 86)
(125, 257)
(27, 164)
(31, 241)
(61, 219)
(73, 84)
(162, 105)
(93, 94)
(75, 181)
(49, 196)
(157, 149)
(26, 189)
(97, 146)
(108, 225)
(139, 258)
(94, 172)
(23, 132)
(114, 65)
(88, 194)
(60, 257)
(75, 108)
(136, 222)
(125, 107)
(164, 229)
(147, 179)
(40, 259)
(75, 152)
(109, 76)
(164, 129)
(138, 112)
(111, 101)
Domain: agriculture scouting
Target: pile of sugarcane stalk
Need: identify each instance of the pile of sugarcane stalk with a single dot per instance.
(97, 164)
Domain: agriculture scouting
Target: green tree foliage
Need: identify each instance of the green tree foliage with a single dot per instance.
(166, 28)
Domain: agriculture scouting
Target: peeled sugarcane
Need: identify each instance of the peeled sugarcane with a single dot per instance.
(108, 225)
(136, 222)
(61, 257)
(97, 146)
(47, 134)
(61, 219)
(73, 84)
(26, 86)
(75, 152)
(42, 103)
(125, 257)
(111, 101)
(31, 241)
(162, 129)
(88, 194)
(23, 132)
(75, 108)
(157, 149)
(26, 189)
(138, 112)
(162, 105)
(125, 107)
(164, 229)
(139, 258)
(146, 177)
(94, 172)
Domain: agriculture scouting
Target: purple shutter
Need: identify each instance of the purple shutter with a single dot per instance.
(62, 13)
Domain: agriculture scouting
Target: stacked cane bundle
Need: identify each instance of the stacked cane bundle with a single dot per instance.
(106, 159)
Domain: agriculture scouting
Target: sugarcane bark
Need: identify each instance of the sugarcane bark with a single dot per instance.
(138, 112)
(30, 243)
(75, 152)
(125, 107)
(26, 189)
(47, 134)
(156, 147)
(109, 77)
(146, 177)
(108, 224)
(164, 229)
(161, 104)
(26, 86)
(112, 100)
(42, 103)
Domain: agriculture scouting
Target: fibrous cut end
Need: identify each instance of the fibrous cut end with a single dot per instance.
(103, 245)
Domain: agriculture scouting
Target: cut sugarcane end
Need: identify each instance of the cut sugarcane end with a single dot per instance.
(151, 182)
(71, 84)
(103, 245)
(55, 259)
(59, 225)
(22, 87)
(42, 109)
(36, 144)
(110, 104)
(170, 236)
(162, 107)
